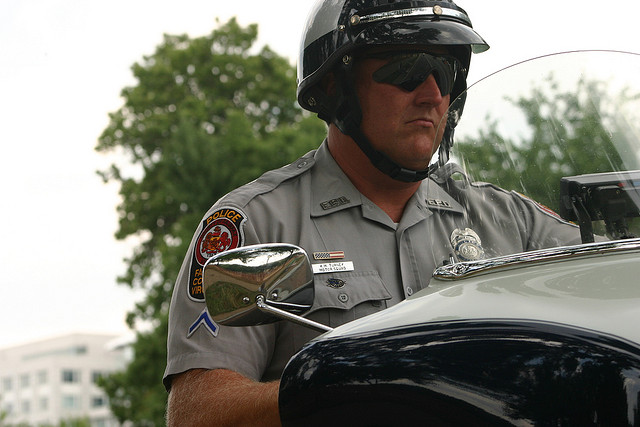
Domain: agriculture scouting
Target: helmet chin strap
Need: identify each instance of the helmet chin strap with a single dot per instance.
(384, 163)
(348, 118)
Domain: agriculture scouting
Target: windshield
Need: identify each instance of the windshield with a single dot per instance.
(546, 154)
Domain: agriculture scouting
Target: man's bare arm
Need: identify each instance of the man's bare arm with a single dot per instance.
(221, 397)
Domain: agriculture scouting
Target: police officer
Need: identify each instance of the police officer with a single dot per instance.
(383, 75)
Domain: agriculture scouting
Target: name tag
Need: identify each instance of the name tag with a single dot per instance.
(332, 267)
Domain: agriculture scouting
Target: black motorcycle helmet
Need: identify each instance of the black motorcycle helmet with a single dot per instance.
(338, 29)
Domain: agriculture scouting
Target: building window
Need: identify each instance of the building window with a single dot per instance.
(25, 407)
(96, 375)
(24, 380)
(98, 401)
(70, 376)
(42, 377)
(43, 404)
(70, 401)
(7, 384)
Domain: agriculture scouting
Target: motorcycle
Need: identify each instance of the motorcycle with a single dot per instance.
(544, 337)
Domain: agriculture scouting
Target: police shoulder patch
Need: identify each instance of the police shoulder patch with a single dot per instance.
(221, 231)
(539, 206)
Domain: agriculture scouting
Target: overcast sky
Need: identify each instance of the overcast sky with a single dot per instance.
(63, 64)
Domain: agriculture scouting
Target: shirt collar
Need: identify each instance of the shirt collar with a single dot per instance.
(436, 199)
(331, 190)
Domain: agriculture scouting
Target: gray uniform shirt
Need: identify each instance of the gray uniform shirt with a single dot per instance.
(364, 262)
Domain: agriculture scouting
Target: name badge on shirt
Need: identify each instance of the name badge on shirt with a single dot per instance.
(332, 267)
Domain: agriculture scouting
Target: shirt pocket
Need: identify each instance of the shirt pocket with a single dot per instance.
(339, 298)
(345, 296)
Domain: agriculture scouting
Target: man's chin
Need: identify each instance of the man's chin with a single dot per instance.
(417, 162)
(415, 166)
(415, 155)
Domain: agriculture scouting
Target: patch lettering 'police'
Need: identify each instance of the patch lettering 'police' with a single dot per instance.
(221, 231)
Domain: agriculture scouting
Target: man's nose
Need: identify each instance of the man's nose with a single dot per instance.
(428, 92)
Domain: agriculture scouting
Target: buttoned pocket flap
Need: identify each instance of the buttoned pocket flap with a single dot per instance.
(345, 290)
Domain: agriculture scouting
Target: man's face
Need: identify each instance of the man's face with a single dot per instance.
(403, 124)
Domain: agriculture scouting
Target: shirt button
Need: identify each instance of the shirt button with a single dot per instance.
(343, 297)
(409, 290)
(302, 164)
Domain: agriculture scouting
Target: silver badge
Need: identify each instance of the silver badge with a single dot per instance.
(467, 245)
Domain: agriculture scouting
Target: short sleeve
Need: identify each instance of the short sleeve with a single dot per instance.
(195, 341)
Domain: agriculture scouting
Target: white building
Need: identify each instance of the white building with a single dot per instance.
(48, 381)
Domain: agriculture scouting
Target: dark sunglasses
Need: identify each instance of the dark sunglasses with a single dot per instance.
(409, 69)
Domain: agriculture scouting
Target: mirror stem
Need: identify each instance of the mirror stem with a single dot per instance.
(264, 307)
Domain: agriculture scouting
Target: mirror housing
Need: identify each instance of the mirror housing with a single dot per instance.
(258, 284)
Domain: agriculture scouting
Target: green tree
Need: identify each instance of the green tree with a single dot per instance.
(75, 422)
(567, 127)
(3, 413)
(207, 114)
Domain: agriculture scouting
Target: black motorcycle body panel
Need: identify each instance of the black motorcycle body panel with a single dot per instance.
(465, 373)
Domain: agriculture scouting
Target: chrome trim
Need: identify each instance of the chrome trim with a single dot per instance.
(465, 269)
(435, 12)
(303, 321)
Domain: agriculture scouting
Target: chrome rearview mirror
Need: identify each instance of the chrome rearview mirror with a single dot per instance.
(258, 284)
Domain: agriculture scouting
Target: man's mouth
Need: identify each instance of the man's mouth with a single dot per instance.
(422, 121)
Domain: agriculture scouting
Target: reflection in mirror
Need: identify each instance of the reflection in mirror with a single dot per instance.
(239, 283)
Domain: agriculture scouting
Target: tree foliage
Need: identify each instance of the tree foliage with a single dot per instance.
(570, 132)
(207, 114)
